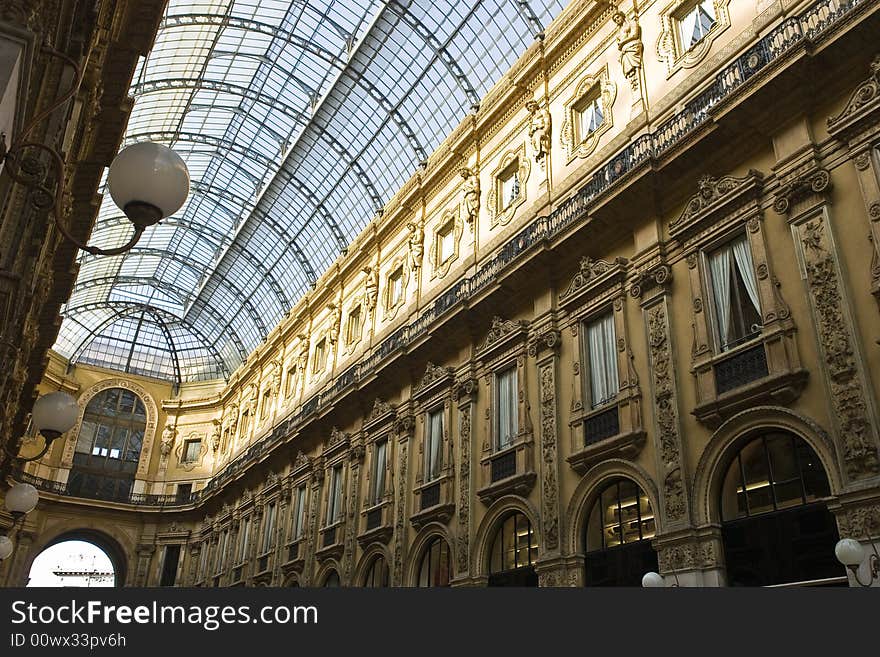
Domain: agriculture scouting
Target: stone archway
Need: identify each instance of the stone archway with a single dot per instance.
(103, 541)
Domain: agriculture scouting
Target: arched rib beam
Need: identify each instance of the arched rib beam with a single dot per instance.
(528, 15)
(440, 49)
(199, 138)
(123, 309)
(208, 343)
(186, 296)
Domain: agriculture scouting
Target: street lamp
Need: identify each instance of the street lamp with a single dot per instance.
(147, 181)
(53, 415)
(851, 554)
(652, 580)
(20, 500)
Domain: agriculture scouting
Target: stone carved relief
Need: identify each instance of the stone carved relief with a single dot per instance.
(589, 270)
(549, 483)
(861, 522)
(540, 130)
(836, 343)
(434, 373)
(867, 93)
(659, 276)
(416, 244)
(501, 328)
(814, 181)
(335, 321)
(666, 412)
(464, 472)
(470, 195)
(169, 433)
(371, 288)
(629, 43)
(712, 191)
(400, 519)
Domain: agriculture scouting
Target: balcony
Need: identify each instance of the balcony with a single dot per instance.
(377, 523)
(434, 501)
(508, 471)
(610, 430)
(763, 370)
(330, 540)
(294, 556)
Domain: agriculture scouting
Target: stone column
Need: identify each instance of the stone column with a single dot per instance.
(143, 560)
(356, 458)
(466, 394)
(311, 537)
(403, 427)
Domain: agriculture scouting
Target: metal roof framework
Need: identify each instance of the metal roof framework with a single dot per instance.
(297, 120)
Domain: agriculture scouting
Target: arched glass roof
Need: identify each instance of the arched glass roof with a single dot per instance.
(297, 119)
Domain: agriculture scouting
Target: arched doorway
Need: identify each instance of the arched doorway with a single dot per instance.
(514, 550)
(73, 562)
(108, 446)
(617, 537)
(377, 575)
(435, 567)
(776, 528)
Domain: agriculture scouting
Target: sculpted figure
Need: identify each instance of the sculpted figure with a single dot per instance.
(168, 434)
(629, 43)
(539, 129)
(471, 194)
(371, 285)
(416, 244)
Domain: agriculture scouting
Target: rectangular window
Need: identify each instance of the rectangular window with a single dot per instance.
(509, 184)
(299, 513)
(320, 356)
(245, 538)
(433, 445)
(221, 553)
(590, 114)
(169, 565)
(395, 284)
(290, 382)
(602, 352)
(334, 499)
(379, 464)
(734, 290)
(203, 559)
(267, 404)
(191, 451)
(353, 331)
(506, 418)
(184, 491)
(694, 22)
(269, 528)
(445, 243)
(243, 425)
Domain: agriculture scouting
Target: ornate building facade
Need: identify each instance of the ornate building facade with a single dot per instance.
(624, 319)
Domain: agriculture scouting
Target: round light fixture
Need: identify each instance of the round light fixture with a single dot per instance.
(148, 182)
(652, 580)
(849, 552)
(54, 414)
(6, 547)
(21, 499)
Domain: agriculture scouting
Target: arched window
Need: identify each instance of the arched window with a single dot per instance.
(108, 446)
(435, 567)
(377, 573)
(332, 579)
(512, 562)
(775, 527)
(72, 562)
(618, 533)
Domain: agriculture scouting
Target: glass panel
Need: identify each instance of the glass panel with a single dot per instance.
(507, 420)
(433, 447)
(602, 347)
(379, 472)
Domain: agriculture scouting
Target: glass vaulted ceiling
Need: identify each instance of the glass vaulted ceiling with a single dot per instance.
(297, 120)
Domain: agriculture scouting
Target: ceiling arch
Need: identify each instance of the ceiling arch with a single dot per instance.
(297, 121)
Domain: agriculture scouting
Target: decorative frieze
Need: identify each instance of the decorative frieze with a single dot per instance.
(466, 392)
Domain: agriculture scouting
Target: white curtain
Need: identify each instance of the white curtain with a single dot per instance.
(604, 384)
(379, 472)
(743, 256)
(435, 440)
(719, 268)
(507, 424)
(688, 26)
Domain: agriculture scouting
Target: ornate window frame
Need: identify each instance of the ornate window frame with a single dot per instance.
(319, 365)
(614, 428)
(669, 46)
(501, 215)
(351, 343)
(434, 500)
(300, 476)
(451, 219)
(765, 369)
(511, 469)
(331, 534)
(377, 519)
(598, 82)
(391, 306)
(180, 451)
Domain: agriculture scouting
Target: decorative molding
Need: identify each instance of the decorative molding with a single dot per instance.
(863, 102)
(549, 460)
(657, 276)
(464, 483)
(845, 380)
(592, 277)
(575, 146)
(815, 181)
(441, 268)
(715, 196)
(671, 51)
(500, 214)
(501, 331)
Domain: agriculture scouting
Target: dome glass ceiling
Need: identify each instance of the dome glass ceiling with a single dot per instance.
(298, 120)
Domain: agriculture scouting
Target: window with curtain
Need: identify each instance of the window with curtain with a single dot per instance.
(334, 499)
(734, 290)
(191, 451)
(320, 356)
(433, 445)
(506, 419)
(269, 528)
(590, 114)
(509, 184)
(694, 22)
(299, 513)
(203, 559)
(266, 405)
(602, 354)
(445, 242)
(395, 285)
(221, 552)
(353, 331)
(245, 538)
(435, 568)
(290, 381)
(379, 464)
